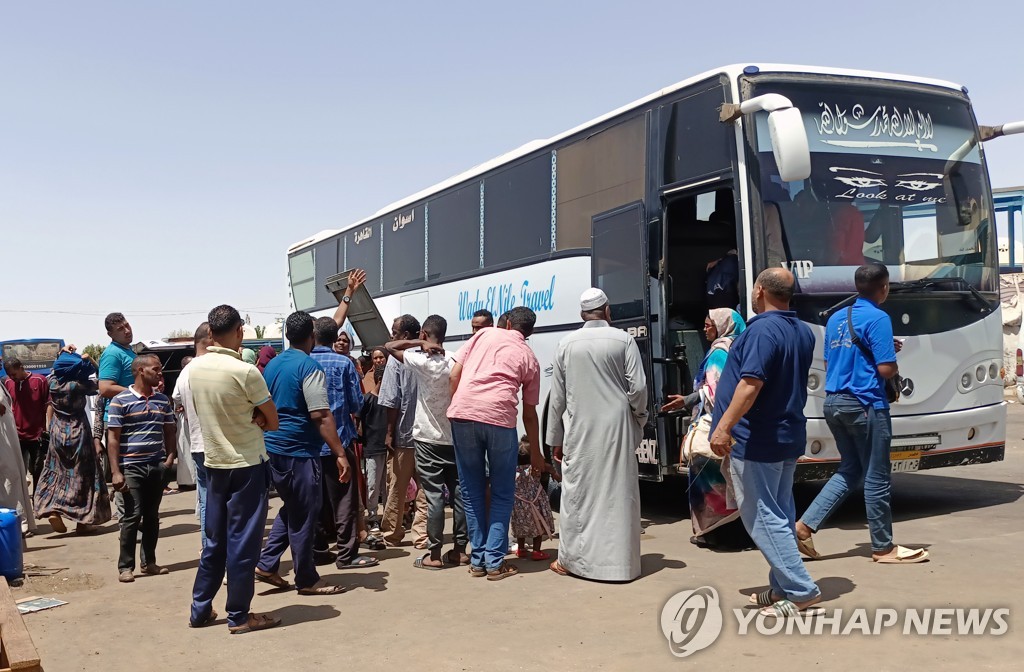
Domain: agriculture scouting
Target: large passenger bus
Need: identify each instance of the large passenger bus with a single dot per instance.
(814, 169)
(37, 355)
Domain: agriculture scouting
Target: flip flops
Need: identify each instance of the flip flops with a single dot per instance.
(786, 609)
(503, 571)
(255, 622)
(419, 563)
(557, 568)
(361, 562)
(806, 547)
(205, 622)
(903, 556)
(451, 559)
(322, 588)
(274, 580)
(763, 599)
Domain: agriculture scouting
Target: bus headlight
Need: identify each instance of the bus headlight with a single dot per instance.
(813, 382)
(965, 381)
(979, 373)
(993, 371)
(815, 447)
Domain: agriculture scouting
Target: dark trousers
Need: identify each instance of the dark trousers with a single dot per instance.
(297, 481)
(34, 454)
(339, 513)
(236, 513)
(435, 464)
(145, 489)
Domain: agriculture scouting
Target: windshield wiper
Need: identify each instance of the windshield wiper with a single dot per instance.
(927, 284)
(827, 313)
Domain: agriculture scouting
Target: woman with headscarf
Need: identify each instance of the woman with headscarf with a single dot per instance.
(712, 505)
(267, 353)
(72, 482)
(379, 356)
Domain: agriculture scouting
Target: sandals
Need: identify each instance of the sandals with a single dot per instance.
(763, 599)
(57, 524)
(806, 546)
(451, 559)
(503, 571)
(477, 572)
(903, 556)
(557, 568)
(420, 564)
(374, 543)
(522, 554)
(205, 622)
(255, 622)
(361, 562)
(276, 580)
(786, 608)
(322, 588)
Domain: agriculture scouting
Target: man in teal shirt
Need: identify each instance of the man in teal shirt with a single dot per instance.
(115, 374)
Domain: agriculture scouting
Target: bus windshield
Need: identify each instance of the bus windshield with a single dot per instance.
(896, 176)
(37, 355)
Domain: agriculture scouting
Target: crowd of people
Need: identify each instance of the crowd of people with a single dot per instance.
(415, 429)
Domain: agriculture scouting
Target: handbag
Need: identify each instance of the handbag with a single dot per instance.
(892, 385)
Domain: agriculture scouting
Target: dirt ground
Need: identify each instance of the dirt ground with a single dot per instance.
(395, 615)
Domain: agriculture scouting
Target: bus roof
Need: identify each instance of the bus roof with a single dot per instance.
(732, 71)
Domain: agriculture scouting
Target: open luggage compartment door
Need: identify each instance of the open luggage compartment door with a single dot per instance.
(362, 312)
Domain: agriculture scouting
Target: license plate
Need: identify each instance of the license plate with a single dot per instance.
(905, 460)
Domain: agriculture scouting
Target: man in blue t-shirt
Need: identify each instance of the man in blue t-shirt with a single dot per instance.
(857, 412)
(759, 422)
(305, 422)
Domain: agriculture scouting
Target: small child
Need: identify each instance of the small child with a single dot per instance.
(531, 512)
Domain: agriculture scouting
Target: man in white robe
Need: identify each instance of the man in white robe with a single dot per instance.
(597, 411)
(13, 486)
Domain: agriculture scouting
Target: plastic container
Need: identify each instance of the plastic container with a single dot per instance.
(11, 559)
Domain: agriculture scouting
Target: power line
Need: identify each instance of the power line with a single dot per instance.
(139, 313)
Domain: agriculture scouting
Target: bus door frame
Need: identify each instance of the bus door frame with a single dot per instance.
(649, 457)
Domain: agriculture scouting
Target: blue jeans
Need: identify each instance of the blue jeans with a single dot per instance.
(764, 493)
(476, 442)
(299, 482)
(236, 513)
(862, 435)
(200, 461)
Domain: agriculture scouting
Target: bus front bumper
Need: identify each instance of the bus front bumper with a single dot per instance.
(955, 438)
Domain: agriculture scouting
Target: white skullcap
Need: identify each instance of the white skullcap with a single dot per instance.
(592, 299)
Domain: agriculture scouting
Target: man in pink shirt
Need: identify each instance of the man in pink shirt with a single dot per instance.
(488, 372)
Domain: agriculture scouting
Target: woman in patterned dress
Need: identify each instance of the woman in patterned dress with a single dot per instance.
(72, 482)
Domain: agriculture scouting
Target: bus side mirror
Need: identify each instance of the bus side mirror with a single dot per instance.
(789, 144)
(785, 128)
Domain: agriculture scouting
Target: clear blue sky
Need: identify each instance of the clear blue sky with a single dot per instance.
(161, 157)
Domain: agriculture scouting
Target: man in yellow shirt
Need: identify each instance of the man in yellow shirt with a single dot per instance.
(234, 407)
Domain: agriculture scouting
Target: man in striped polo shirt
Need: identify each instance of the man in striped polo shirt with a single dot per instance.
(141, 444)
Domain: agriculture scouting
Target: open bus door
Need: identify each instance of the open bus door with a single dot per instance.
(619, 268)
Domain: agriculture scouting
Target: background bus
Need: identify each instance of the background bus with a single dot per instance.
(814, 169)
(36, 354)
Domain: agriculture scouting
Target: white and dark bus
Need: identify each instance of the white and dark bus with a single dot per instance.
(814, 169)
